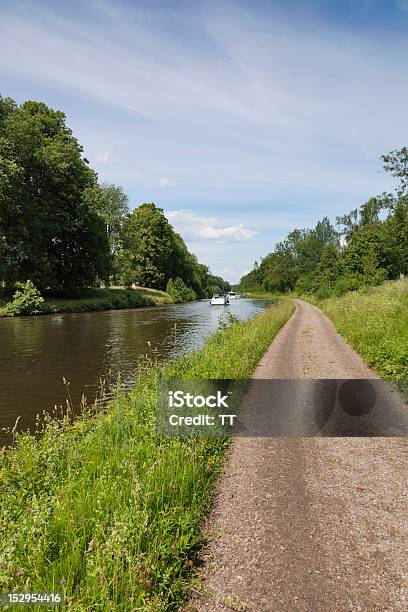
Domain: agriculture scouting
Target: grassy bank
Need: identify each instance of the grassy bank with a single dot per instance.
(160, 297)
(262, 295)
(105, 510)
(97, 299)
(375, 323)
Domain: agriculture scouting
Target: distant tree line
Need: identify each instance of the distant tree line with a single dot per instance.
(64, 231)
(369, 245)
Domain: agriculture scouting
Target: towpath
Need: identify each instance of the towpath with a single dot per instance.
(309, 524)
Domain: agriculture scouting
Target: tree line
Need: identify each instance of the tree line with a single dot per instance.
(64, 231)
(366, 247)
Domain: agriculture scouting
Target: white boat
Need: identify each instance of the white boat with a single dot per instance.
(219, 300)
(232, 295)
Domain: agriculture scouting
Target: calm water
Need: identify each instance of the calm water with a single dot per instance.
(37, 352)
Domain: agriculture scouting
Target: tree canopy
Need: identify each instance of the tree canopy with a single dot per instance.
(62, 230)
(48, 231)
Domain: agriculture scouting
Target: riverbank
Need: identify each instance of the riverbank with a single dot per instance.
(261, 295)
(374, 320)
(89, 300)
(107, 511)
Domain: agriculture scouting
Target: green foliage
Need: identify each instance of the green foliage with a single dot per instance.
(89, 300)
(179, 292)
(152, 253)
(347, 282)
(27, 300)
(112, 205)
(106, 510)
(48, 231)
(63, 230)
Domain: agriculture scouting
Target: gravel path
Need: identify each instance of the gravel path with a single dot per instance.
(308, 523)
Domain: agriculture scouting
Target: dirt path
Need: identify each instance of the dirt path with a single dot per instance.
(309, 523)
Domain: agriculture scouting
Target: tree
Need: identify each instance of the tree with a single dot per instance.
(112, 205)
(149, 242)
(48, 231)
(179, 291)
(396, 238)
(396, 163)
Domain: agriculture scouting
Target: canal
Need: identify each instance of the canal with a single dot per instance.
(38, 353)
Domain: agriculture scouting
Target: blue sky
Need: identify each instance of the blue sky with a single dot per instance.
(242, 120)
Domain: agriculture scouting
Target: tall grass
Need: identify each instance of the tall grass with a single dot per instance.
(375, 322)
(262, 295)
(160, 297)
(107, 511)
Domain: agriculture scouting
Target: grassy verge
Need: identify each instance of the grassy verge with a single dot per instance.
(262, 295)
(107, 511)
(160, 297)
(375, 323)
(98, 299)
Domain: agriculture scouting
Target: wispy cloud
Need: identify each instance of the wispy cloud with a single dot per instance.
(194, 227)
(403, 4)
(166, 182)
(104, 158)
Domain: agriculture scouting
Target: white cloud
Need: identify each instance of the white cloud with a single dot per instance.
(104, 158)
(403, 4)
(198, 227)
(166, 182)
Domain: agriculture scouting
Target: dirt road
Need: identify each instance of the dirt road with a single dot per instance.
(309, 523)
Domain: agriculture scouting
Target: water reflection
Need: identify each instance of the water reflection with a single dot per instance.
(36, 353)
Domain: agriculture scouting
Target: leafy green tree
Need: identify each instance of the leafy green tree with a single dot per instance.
(48, 232)
(396, 237)
(112, 204)
(148, 240)
(179, 291)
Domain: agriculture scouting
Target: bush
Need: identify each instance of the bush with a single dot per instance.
(379, 277)
(179, 292)
(304, 284)
(345, 284)
(27, 300)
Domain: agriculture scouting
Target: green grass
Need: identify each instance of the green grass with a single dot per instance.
(262, 295)
(97, 299)
(160, 297)
(375, 323)
(107, 511)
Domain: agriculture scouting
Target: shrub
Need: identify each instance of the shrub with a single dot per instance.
(345, 284)
(179, 292)
(303, 284)
(27, 300)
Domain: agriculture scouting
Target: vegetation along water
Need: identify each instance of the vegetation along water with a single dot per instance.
(63, 232)
(107, 511)
(38, 353)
